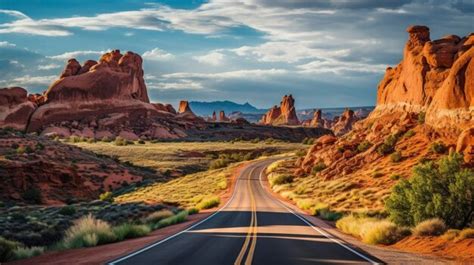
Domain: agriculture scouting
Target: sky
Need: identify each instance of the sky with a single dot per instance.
(329, 53)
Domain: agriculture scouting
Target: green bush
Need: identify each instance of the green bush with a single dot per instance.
(141, 142)
(421, 117)
(327, 214)
(301, 153)
(175, 219)
(68, 210)
(396, 157)
(364, 146)
(7, 249)
(439, 148)
(106, 139)
(32, 195)
(395, 177)
(388, 145)
(430, 227)
(192, 211)
(106, 196)
(88, 232)
(155, 217)
(27, 252)
(278, 179)
(127, 230)
(320, 166)
(409, 134)
(208, 203)
(436, 190)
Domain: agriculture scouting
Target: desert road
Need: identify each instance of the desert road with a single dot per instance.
(252, 228)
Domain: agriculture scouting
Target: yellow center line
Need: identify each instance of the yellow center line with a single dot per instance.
(252, 229)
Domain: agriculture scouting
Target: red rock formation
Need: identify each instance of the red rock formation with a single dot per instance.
(344, 123)
(222, 117)
(165, 107)
(186, 113)
(15, 108)
(465, 145)
(184, 107)
(317, 120)
(434, 76)
(283, 115)
(214, 117)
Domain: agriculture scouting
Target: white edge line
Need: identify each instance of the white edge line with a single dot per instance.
(324, 233)
(179, 233)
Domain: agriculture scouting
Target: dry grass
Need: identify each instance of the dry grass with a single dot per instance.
(187, 191)
(157, 216)
(172, 155)
(430, 227)
(88, 232)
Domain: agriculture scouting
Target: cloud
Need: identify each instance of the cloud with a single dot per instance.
(27, 80)
(247, 74)
(6, 44)
(212, 58)
(48, 66)
(158, 54)
(75, 54)
(340, 67)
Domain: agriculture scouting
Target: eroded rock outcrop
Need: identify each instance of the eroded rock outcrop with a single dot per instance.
(223, 117)
(436, 77)
(15, 108)
(345, 122)
(285, 114)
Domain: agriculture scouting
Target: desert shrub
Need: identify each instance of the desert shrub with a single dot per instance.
(219, 163)
(372, 230)
(450, 234)
(396, 157)
(68, 210)
(388, 145)
(74, 139)
(364, 146)
(436, 190)
(27, 252)
(39, 146)
(409, 134)
(106, 139)
(377, 174)
(208, 203)
(395, 177)
(20, 150)
(305, 204)
(32, 195)
(308, 140)
(222, 185)
(301, 153)
(106, 196)
(192, 211)
(157, 216)
(320, 166)
(279, 179)
(88, 232)
(127, 230)
(465, 233)
(421, 117)
(7, 249)
(438, 148)
(430, 227)
(327, 214)
(141, 141)
(119, 141)
(90, 140)
(175, 219)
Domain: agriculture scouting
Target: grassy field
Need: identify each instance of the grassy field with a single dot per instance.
(184, 157)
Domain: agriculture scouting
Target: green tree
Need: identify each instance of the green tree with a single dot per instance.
(436, 190)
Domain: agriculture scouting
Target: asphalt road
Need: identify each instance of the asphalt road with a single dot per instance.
(252, 228)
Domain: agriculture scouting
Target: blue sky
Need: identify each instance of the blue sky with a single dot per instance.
(326, 53)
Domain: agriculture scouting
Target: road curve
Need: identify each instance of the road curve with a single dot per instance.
(252, 228)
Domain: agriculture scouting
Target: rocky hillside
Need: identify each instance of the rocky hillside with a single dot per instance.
(38, 170)
(285, 114)
(424, 110)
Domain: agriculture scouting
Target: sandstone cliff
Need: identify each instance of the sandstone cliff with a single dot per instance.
(15, 108)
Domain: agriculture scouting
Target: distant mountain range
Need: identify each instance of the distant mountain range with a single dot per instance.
(206, 108)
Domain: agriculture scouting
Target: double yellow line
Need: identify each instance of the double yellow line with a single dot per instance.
(251, 238)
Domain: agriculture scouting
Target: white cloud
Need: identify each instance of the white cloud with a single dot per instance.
(74, 54)
(6, 44)
(247, 74)
(178, 85)
(158, 54)
(340, 67)
(28, 80)
(212, 58)
(48, 66)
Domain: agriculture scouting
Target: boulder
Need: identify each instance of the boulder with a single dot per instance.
(15, 108)
(465, 145)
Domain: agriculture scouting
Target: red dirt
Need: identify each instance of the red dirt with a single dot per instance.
(104, 253)
(462, 251)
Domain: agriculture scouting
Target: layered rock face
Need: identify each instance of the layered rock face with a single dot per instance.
(15, 108)
(436, 77)
(285, 114)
